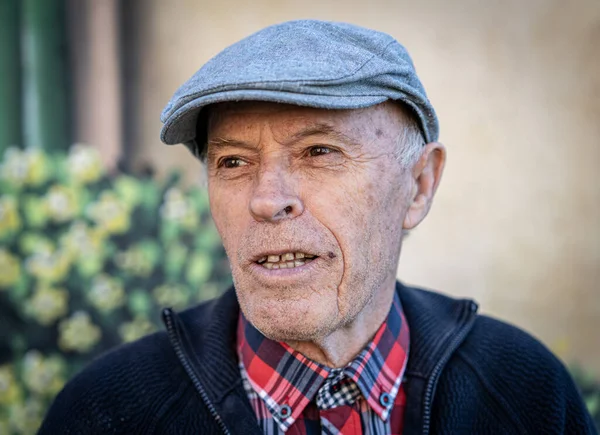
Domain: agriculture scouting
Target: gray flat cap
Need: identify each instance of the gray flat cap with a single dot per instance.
(308, 63)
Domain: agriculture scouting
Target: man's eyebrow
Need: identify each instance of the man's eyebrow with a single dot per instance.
(318, 129)
(323, 129)
(222, 141)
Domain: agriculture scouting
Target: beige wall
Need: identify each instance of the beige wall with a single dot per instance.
(93, 39)
(517, 88)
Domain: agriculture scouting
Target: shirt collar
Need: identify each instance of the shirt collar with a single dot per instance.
(287, 381)
(379, 368)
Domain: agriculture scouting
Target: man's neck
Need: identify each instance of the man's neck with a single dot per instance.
(340, 347)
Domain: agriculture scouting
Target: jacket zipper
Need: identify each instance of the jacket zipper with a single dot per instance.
(168, 318)
(458, 339)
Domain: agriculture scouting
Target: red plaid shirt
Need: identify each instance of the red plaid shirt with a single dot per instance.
(293, 395)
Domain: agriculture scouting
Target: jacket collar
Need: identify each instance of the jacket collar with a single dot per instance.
(206, 334)
(208, 338)
(434, 320)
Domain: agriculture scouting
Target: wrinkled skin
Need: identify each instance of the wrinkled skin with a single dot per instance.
(285, 178)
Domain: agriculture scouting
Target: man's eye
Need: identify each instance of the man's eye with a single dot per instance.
(231, 162)
(319, 151)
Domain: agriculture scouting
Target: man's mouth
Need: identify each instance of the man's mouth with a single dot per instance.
(289, 260)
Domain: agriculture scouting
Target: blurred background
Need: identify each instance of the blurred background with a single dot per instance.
(101, 225)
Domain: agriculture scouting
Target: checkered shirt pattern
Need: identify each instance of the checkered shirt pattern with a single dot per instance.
(291, 394)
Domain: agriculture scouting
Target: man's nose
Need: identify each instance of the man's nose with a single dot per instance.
(275, 197)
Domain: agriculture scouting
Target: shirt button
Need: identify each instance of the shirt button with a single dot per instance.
(285, 411)
(385, 399)
(335, 388)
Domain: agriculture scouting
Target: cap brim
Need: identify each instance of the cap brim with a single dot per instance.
(181, 124)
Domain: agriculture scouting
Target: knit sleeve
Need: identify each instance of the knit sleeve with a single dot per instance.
(521, 376)
(83, 407)
(125, 391)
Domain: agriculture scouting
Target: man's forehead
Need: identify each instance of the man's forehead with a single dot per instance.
(259, 110)
(231, 115)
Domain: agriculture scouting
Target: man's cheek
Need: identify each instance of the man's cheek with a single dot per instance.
(225, 230)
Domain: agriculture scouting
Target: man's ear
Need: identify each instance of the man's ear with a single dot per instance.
(426, 175)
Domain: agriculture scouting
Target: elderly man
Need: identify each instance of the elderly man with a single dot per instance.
(320, 149)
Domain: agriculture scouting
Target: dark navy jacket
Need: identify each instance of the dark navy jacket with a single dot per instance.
(467, 374)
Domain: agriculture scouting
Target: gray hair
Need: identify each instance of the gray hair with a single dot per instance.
(410, 143)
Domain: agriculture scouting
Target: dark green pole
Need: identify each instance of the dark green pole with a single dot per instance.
(10, 76)
(44, 79)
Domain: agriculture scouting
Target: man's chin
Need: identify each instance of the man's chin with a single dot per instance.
(287, 335)
(291, 325)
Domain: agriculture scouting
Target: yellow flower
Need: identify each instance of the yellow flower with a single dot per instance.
(15, 167)
(44, 376)
(37, 166)
(10, 222)
(49, 266)
(61, 203)
(110, 214)
(171, 295)
(136, 260)
(26, 417)
(199, 268)
(48, 304)
(84, 246)
(34, 210)
(24, 167)
(106, 293)
(131, 331)
(207, 292)
(78, 333)
(129, 189)
(10, 269)
(91, 265)
(9, 388)
(81, 240)
(176, 208)
(84, 164)
(174, 259)
(31, 242)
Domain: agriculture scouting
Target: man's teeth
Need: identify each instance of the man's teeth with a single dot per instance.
(285, 261)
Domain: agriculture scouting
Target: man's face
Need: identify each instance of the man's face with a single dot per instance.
(310, 205)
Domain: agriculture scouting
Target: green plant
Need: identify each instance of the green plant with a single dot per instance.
(87, 260)
(590, 391)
